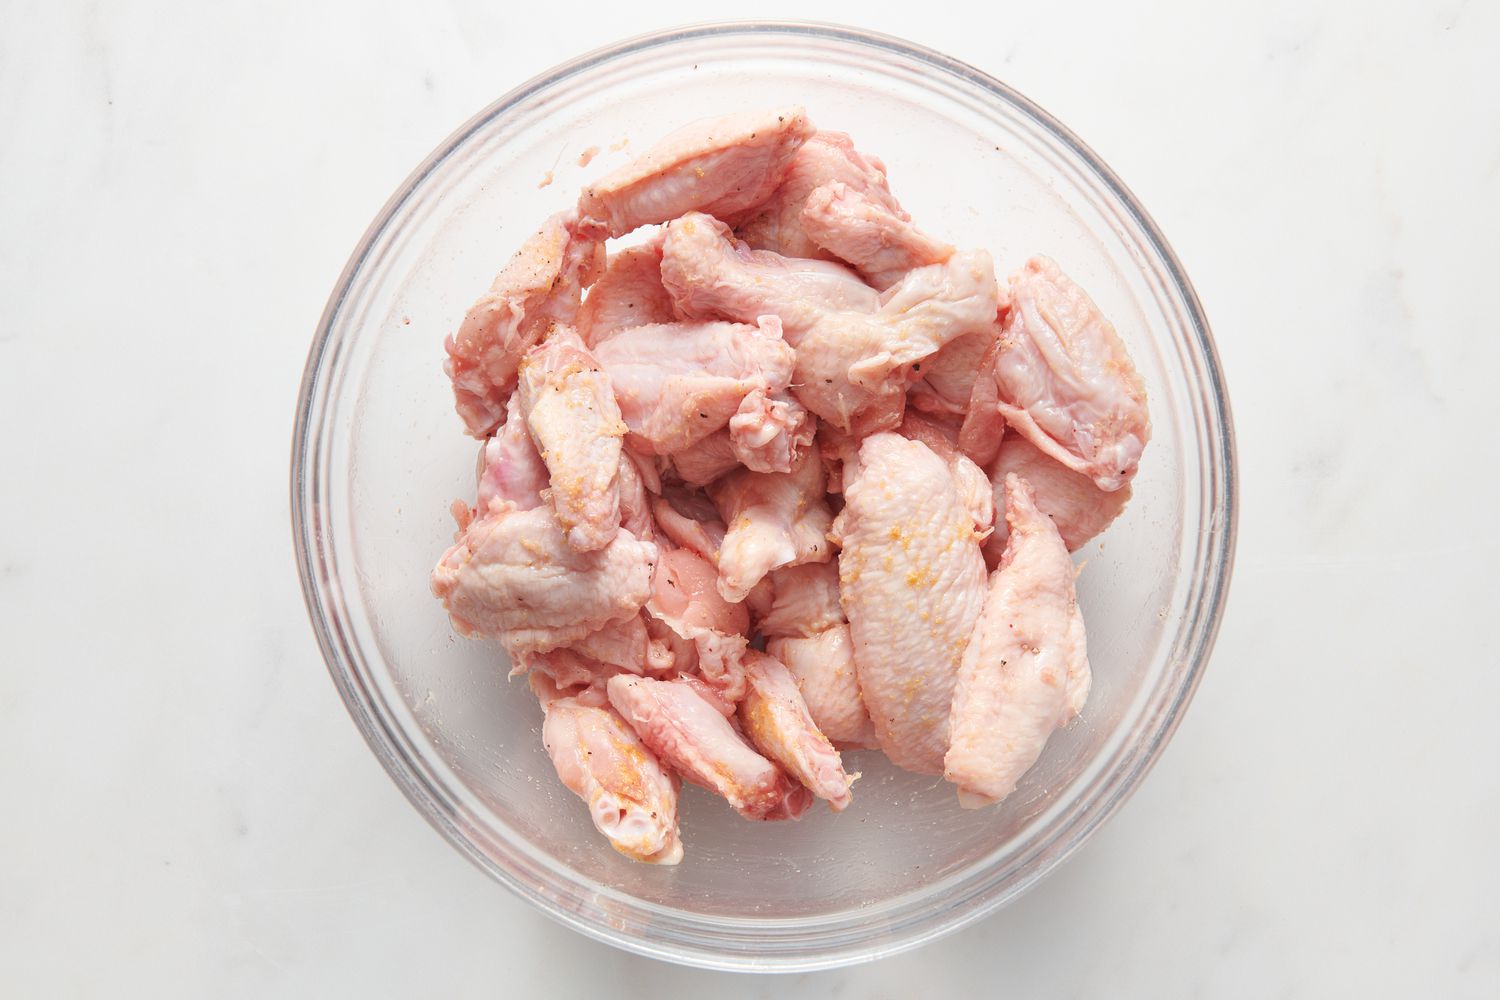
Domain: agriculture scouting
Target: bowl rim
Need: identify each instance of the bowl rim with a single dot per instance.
(1069, 837)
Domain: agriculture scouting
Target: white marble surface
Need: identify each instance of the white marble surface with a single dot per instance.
(189, 812)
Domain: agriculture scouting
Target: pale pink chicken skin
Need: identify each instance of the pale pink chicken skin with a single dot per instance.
(776, 719)
(700, 464)
(864, 232)
(823, 667)
(511, 477)
(619, 647)
(685, 594)
(806, 630)
(627, 644)
(629, 293)
(568, 670)
(853, 359)
(758, 601)
(572, 670)
(932, 306)
(690, 734)
(688, 518)
(974, 487)
(946, 385)
(571, 410)
(631, 798)
(1079, 509)
(825, 157)
(912, 583)
(542, 285)
(725, 167)
(636, 497)
(512, 576)
(771, 520)
(809, 304)
(511, 472)
(838, 451)
(679, 382)
(685, 597)
(983, 428)
(709, 693)
(1065, 381)
(804, 601)
(1026, 670)
(711, 275)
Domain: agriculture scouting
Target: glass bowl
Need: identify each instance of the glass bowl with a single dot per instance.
(378, 456)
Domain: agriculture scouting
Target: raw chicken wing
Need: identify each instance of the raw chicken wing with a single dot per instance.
(627, 645)
(566, 668)
(679, 382)
(1079, 508)
(804, 601)
(540, 286)
(636, 498)
(623, 646)
(685, 598)
(823, 667)
(930, 307)
(700, 464)
(512, 575)
(772, 519)
(777, 721)
(865, 232)
(575, 421)
(511, 473)
(696, 740)
(948, 376)
(724, 166)
(628, 293)
(632, 799)
(689, 519)
(711, 275)
(852, 356)
(685, 595)
(912, 583)
(807, 631)
(983, 427)
(827, 156)
(1025, 671)
(973, 485)
(1065, 381)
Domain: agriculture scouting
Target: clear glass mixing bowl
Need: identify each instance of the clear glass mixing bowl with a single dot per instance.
(378, 456)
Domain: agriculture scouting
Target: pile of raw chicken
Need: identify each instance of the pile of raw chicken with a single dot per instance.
(787, 476)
